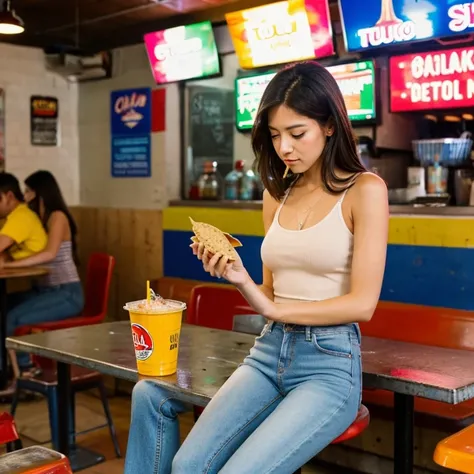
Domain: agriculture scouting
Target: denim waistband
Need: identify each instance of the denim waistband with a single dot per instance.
(341, 328)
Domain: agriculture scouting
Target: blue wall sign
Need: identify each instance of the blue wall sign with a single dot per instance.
(131, 156)
(130, 124)
(387, 22)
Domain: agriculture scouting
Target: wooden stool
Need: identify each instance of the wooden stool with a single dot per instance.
(357, 427)
(34, 460)
(457, 451)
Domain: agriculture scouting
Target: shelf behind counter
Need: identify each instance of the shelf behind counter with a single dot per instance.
(395, 209)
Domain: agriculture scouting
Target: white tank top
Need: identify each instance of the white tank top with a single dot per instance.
(312, 264)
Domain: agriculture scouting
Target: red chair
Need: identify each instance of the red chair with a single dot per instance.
(8, 433)
(35, 460)
(215, 306)
(99, 275)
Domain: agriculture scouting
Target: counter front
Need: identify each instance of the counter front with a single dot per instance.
(430, 259)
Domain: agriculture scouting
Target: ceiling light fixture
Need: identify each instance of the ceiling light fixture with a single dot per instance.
(10, 23)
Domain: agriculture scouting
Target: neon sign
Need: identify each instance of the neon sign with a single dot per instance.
(435, 80)
(388, 22)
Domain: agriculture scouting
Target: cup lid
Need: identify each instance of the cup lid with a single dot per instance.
(142, 306)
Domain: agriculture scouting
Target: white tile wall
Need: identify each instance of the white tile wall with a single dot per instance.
(98, 188)
(22, 74)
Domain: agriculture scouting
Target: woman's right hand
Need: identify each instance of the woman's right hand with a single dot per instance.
(219, 266)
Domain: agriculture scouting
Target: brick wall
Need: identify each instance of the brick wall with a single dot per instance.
(22, 74)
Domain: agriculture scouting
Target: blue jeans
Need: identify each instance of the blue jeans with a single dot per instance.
(298, 389)
(42, 305)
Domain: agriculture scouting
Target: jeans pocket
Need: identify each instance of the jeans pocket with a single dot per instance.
(334, 344)
(264, 331)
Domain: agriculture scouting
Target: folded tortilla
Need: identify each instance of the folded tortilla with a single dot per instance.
(214, 240)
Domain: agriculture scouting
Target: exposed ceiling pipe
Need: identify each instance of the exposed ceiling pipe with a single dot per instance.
(101, 18)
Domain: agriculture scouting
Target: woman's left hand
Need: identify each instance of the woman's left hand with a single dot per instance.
(219, 266)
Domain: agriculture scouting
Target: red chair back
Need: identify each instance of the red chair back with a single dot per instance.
(99, 275)
(214, 306)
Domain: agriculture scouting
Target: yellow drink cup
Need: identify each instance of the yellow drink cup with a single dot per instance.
(156, 330)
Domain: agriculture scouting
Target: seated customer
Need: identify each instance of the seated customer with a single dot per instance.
(58, 295)
(23, 234)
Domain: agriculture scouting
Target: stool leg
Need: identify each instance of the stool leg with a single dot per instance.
(52, 398)
(15, 399)
(14, 445)
(110, 421)
(72, 420)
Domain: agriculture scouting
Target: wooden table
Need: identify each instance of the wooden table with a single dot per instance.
(7, 274)
(208, 357)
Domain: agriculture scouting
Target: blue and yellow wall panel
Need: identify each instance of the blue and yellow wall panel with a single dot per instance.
(430, 259)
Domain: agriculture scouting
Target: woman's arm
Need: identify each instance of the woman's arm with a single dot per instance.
(58, 226)
(270, 207)
(370, 217)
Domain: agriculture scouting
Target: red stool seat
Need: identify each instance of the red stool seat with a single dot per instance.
(8, 431)
(358, 426)
(34, 460)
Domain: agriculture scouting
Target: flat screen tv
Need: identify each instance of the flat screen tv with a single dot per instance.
(382, 23)
(357, 81)
(182, 53)
(281, 32)
(248, 93)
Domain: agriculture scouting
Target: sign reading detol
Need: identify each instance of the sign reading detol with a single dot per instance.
(434, 80)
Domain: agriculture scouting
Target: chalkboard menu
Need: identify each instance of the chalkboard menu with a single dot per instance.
(44, 121)
(211, 123)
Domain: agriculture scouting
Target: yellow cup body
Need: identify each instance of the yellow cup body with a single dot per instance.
(156, 340)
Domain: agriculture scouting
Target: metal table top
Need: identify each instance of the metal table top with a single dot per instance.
(208, 357)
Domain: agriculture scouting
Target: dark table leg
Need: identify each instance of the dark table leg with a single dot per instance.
(64, 403)
(79, 458)
(3, 334)
(403, 440)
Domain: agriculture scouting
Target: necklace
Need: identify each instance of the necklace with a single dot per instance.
(307, 212)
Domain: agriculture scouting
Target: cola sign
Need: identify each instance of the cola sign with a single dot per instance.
(142, 342)
(130, 111)
(434, 80)
(388, 22)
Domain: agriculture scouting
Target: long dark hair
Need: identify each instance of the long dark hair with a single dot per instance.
(310, 90)
(45, 186)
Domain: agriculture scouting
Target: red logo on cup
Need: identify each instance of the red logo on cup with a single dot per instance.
(142, 341)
